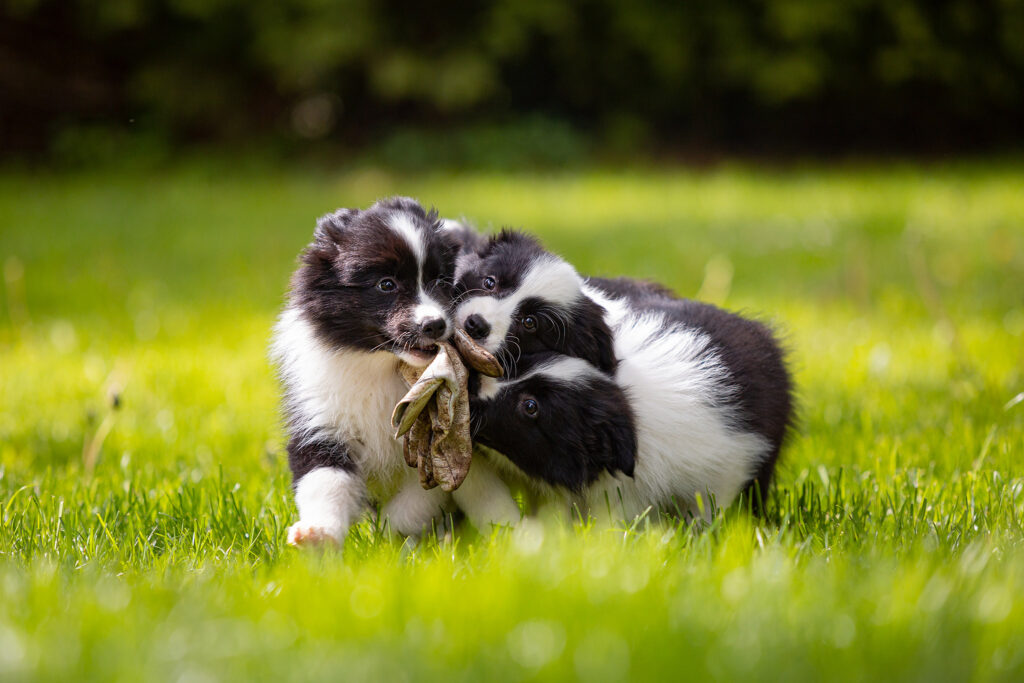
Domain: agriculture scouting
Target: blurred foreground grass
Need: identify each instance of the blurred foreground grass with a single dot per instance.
(147, 542)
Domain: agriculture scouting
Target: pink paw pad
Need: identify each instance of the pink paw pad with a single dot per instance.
(305, 534)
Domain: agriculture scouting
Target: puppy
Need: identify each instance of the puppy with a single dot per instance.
(706, 392)
(372, 289)
(699, 405)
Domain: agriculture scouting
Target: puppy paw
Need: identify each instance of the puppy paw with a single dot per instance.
(313, 535)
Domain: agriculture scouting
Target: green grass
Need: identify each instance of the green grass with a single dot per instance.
(893, 547)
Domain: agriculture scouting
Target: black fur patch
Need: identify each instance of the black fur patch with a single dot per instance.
(579, 430)
(306, 456)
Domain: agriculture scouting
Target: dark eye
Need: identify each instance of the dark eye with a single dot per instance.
(531, 407)
(386, 285)
(490, 283)
(530, 323)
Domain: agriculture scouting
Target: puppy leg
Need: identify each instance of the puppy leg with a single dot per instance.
(485, 498)
(412, 508)
(329, 492)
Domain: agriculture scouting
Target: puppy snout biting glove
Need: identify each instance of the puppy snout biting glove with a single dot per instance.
(434, 415)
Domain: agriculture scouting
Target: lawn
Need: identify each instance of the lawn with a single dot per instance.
(144, 493)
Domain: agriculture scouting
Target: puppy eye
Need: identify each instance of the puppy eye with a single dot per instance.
(529, 323)
(387, 285)
(531, 407)
(490, 283)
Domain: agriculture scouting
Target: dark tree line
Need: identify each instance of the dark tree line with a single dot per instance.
(913, 74)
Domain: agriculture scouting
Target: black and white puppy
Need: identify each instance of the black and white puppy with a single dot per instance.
(373, 288)
(699, 405)
(705, 393)
(517, 298)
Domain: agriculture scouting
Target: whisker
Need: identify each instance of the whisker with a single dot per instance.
(458, 299)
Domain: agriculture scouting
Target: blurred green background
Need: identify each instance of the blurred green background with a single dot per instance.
(849, 171)
(509, 82)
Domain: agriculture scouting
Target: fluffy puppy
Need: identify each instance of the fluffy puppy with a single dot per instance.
(707, 391)
(373, 288)
(699, 405)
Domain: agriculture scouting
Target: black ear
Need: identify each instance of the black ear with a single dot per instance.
(613, 442)
(508, 236)
(590, 338)
(330, 226)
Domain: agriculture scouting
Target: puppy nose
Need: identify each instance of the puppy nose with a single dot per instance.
(433, 328)
(476, 326)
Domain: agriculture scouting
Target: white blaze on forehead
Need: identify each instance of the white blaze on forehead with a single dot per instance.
(565, 370)
(549, 279)
(427, 308)
(404, 225)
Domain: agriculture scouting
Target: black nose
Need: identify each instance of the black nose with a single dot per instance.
(477, 327)
(433, 328)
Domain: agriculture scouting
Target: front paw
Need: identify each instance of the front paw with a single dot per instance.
(313, 535)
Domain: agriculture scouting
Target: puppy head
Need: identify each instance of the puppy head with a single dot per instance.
(379, 279)
(516, 298)
(563, 422)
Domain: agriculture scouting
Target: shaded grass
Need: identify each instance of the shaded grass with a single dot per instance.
(892, 545)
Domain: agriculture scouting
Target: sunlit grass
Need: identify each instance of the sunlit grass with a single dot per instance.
(146, 540)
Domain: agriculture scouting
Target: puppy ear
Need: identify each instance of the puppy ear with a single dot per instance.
(330, 226)
(591, 338)
(514, 237)
(614, 444)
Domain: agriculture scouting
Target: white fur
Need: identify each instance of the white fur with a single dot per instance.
(329, 499)
(489, 387)
(549, 278)
(564, 369)
(567, 370)
(448, 224)
(485, 498)
(346, 396)
(402, 224)
(427, 308)
(678, 388)
(411, 509)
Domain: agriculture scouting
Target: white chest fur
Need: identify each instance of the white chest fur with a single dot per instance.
(343, 395)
